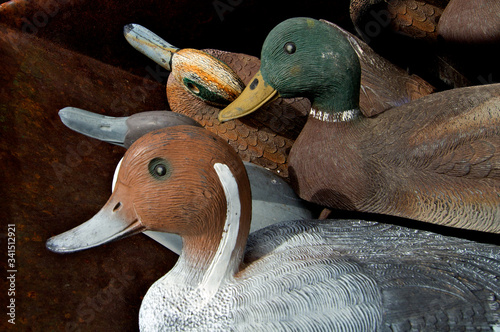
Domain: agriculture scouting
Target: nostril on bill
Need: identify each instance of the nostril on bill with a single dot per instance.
(117, 206)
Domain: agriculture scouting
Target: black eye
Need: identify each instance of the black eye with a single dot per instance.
(159, 168)
(290, 48)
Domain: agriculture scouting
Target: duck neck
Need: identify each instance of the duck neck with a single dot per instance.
(338, 101)
(208, 259)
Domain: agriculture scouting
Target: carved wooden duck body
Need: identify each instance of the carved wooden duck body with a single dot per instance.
(446, 172)
(305, 275)
(435, 159)
(470, 22)
(198, 90)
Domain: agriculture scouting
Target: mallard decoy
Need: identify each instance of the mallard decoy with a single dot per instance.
(201, 83)
(273, 200)
(264, 138)
(435, 159)
(306, 275)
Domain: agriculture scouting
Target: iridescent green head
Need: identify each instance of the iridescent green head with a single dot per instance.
(303, 57)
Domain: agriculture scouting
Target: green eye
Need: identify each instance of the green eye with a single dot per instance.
(159, 168)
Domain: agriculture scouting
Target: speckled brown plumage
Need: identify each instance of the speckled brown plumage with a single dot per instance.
(436, 159)
(415, 18)
(265, 137)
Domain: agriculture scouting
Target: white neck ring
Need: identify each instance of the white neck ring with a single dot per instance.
(344, 116)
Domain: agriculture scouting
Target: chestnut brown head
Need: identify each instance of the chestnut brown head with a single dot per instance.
(168, 181)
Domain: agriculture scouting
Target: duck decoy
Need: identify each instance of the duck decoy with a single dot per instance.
(203, 82)
(396, 87)
(273, 200)
(310, 275)
(264, 138)
(435, 159)
(218, 86)
(460, 21)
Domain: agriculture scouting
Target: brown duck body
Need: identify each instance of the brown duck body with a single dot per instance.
(474, 22)
(414, 18)
(439, 151)
(265, 138)
(461, 21)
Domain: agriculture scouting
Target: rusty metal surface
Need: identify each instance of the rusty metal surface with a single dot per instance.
(53, 179)
(95, 28)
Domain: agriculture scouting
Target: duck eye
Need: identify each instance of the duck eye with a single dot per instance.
(159, 168)
(193, 88)
(290, 48)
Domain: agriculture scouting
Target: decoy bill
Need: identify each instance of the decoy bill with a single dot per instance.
(263, 138)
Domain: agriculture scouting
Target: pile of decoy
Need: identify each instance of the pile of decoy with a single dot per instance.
(324, 114)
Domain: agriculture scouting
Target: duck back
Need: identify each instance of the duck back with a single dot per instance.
(436, 159)
(341, 275)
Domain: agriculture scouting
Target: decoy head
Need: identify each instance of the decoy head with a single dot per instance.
(302, 57)
(201, 74)
(171, 180)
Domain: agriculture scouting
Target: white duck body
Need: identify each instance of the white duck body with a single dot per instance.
(340, 275)
(306, 275)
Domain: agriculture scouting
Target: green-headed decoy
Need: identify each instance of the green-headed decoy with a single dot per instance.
(435, 159)
(202, 83)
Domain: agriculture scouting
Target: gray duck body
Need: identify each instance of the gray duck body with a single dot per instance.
(341, 275)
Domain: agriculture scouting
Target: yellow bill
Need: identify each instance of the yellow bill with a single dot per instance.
(257, 94)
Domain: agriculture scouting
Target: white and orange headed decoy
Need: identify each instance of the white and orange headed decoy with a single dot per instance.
(308, 275)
